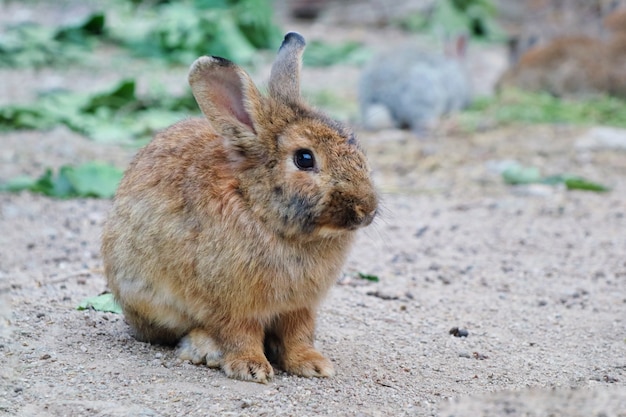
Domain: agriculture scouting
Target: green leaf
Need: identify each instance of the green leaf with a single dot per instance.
(44, 185)
(230, 43)
(122, 95)
(576, 183)
(211, 4)
(62, 185)
(33, 45)
(518, 174)
(103, 130)
(104, 302)
(368, 277)
(255, 20)
(93, 179)
(113, 116)
(93, 25)
(179, 32)
(322, 54)
(453, 17)
(24, 117)
(449, 19)
(18, 184)
(573, 182)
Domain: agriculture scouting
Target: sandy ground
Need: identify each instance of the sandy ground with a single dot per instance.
(536, 275)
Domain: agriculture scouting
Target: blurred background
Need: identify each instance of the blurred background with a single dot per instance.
(91, 81)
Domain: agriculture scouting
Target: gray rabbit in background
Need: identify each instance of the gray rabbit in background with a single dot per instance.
(412, 87)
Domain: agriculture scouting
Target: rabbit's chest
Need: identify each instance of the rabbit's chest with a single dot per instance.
(298, 277)
(265, 273)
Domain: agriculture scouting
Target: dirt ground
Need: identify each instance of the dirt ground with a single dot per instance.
(535, 274)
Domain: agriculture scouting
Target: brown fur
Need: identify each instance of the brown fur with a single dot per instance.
(616, 21)
(574, 66)
(216, 237)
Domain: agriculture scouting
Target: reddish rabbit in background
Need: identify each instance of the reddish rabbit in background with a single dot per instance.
(574, 66)
(227, 232)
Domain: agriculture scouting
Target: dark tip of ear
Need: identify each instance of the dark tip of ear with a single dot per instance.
(221, 61)
(205, 62)
(293, 38)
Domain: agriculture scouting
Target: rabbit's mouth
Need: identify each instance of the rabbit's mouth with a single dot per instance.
(335, 229)
(350, 219)
(359, 218)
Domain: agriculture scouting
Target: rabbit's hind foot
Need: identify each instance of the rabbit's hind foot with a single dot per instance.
(198, 347)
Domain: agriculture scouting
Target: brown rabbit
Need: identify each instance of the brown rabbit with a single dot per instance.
(616, 50)
(615, 22)
(574, 66)
(227, 232)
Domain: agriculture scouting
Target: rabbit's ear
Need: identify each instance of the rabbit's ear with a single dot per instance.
(226, 95)
(284, 83)
(457, 46)
(460, 45)
(519, 45)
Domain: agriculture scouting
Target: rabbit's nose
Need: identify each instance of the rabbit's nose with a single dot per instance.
(366, 217)
(350, 212)
(370, 217)
(365, 214)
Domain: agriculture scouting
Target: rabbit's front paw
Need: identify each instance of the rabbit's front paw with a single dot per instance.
(308, 362)
(248, 367)
(199, 347)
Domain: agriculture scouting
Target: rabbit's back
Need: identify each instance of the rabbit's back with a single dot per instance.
(150, 239)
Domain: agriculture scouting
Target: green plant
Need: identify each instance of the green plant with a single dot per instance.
(513, 106)
(103, 302)
(517, 174)
(92, 179)
(117, 115)
(33, 45)
(323, 54)
(473, 17)
(368, 277)
(179, 32)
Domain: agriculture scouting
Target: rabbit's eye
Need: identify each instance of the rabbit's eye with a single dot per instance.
(304, 159)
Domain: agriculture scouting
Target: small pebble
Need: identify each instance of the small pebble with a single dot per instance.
(246, 404)
(456, 332)
(45, 356)
(383, 296)
(480, 356)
